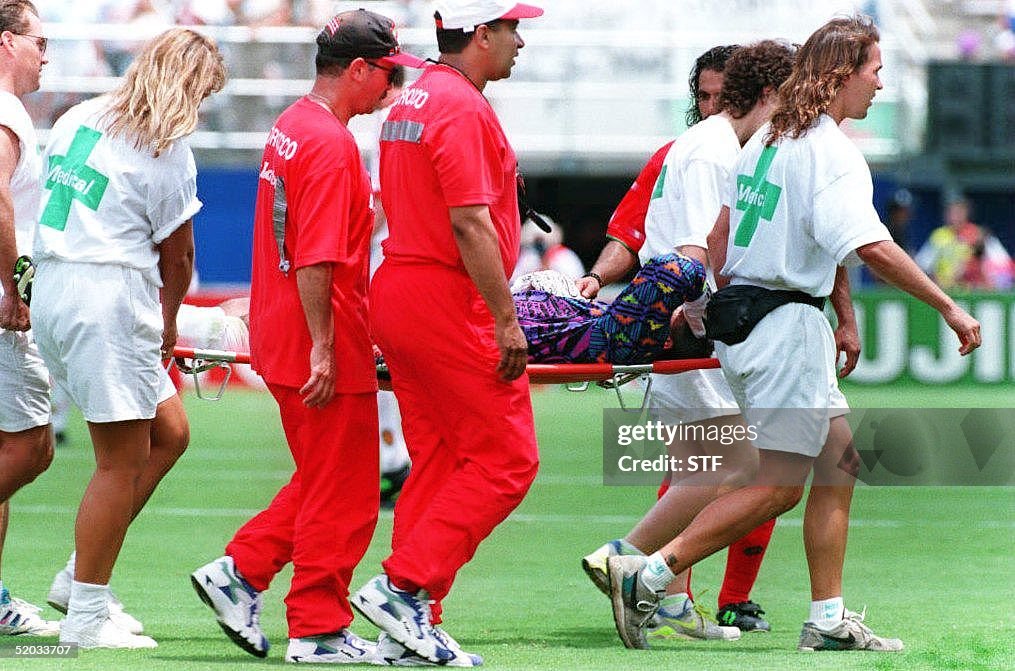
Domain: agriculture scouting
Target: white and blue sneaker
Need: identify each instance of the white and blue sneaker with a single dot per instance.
(404, 616)
(392, 653)
(237, 605)
(344, 647)
(20, 618)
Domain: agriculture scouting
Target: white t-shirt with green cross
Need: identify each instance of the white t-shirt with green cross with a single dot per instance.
(106, 202)
(687, 195)
(798, 209)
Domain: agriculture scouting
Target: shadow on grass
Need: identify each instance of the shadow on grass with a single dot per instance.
(585, 638)
(226, 661)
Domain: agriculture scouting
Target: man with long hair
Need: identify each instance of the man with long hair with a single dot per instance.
(26, 442)
(114, 233)
(686, 201)
(797, 208)
(625, 231)
(312, 224)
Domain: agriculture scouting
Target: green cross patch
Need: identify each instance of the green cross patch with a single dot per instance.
(756, 197)
(69, 179)
(657, 191)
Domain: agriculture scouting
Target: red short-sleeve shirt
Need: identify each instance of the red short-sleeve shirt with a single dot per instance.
(312, 178)
(442, 146)
(627, 225)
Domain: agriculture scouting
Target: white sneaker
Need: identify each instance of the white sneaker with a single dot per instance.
(403, 615)
(59, 597)
(850, 634)
(103, 633)
(344, 647)
(237, 605)
(392, 653)
(20, 618)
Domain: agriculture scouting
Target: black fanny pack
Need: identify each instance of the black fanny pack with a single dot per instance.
(734, 311)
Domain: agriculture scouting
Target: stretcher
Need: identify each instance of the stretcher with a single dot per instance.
(576, 376)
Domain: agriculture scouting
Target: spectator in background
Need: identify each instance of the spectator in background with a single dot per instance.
(144, 17)
(968, 43)
(898, 216)
(965, 256)
(1005, 40)
(545, 250)
(68, 58)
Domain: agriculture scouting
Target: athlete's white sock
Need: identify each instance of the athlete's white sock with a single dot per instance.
(88, 605)
(657, 575)
(827, 613)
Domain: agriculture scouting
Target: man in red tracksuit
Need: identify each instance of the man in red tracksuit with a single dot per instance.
(442, 313)
(310, 343)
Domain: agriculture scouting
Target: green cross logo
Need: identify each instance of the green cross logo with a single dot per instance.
(756, 197)
(657, 192)
(70, 179)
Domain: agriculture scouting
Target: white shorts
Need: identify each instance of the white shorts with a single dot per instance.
(693, 396)
(24, 383)
(99, 328)
(783, 376)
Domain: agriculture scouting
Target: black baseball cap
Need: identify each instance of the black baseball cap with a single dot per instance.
(363, 34)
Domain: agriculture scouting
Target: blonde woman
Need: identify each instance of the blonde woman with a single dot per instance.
(114, 230)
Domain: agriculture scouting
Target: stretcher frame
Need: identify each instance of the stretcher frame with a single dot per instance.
(577, 377)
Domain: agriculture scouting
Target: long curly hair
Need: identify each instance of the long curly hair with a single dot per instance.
(158, 101)
(713, 59)
(750, 70)
(828, 57)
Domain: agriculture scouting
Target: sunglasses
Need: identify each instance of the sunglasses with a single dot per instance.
(389, 70)
(41, 42)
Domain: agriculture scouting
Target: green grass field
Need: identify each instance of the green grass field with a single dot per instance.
(934, 565)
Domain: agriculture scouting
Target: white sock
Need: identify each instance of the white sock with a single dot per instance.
(70, 563)
(827, 613)
(88, 603)
(656, 575)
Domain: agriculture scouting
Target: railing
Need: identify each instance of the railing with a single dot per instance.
(579, 101)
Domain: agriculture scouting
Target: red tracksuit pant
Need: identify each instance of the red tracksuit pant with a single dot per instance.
(323, 519)
(470, 435)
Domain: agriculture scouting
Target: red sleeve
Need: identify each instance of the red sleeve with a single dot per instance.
(319, 213)
(468, 154)
(627, 225)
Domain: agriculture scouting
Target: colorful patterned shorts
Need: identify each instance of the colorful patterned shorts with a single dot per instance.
(632, 329)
